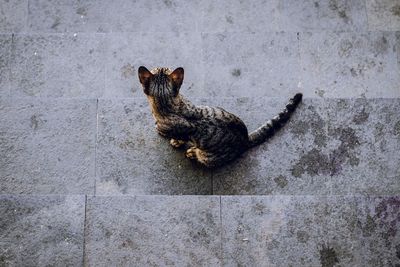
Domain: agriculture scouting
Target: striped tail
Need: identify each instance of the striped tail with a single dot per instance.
(268, 130)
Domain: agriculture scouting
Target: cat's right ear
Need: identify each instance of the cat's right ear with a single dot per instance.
(144, 77)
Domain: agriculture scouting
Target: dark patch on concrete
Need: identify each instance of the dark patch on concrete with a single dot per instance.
(128, 243)
(56, 22)
(316, 163)
(236, 72)
(229, 19)
(130, 144)
(302, 236)
(200, 236)
(396, 129)
(281, 181)
(108, 234)
(339, 156)
(315, 125)
(354, 161)
(81, 11)
(320, 139)
(381, 46)
(398, 251)
(370, 225)
(327, 256)
(36, 121)
(300, 128)
(388, 214)
(168, 3)
(128, 71)
(341, 11)
(3, 261)
(259, 209)
(320, 92)
(353, 72)
(378, 132)
(345, 49)
(361, 117)
(316, 4)
(395, 10)
(127, 109)
(313, 162)
(348, 137)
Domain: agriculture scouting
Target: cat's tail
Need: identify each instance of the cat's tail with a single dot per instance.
(267, 130)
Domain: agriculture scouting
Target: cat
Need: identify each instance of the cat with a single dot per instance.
(213, 136)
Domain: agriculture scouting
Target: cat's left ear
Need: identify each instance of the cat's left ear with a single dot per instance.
(177, 77)
(144, 75)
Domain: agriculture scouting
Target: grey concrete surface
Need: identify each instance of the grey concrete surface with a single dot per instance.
(383, 15)
(73, 120)
(41, 230)
(230, 62)
(153, 231)
(199, 230)
(58, 65)
(310, 231)
(379, 223)
(13, 16)
(335, 146)
(5, 60)
(350, 64)
(283, 15)
(320, 15)
(67, 16)
(47, 146)
(133, 159)
(127, 51)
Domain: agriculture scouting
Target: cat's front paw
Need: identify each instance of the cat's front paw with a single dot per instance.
(176, 143)
(191, 153)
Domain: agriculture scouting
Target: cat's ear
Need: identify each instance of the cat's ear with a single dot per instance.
(144, 75)
(177, 77)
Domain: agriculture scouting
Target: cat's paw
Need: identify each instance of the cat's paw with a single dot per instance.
(191, 153)
(176, 143)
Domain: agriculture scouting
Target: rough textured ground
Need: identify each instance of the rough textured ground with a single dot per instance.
(86, 181)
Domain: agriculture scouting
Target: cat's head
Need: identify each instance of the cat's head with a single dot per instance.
(161, 82)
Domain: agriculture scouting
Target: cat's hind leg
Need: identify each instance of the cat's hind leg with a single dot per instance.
(205, 158)
(176, 143)
(192, 152)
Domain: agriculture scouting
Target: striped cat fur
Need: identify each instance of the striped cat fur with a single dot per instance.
(211, 135)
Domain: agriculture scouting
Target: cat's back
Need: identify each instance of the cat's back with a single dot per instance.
(219, 117)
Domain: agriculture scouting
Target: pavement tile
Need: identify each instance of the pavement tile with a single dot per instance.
(333, 146)
(250, 64)
(153, 16)
(68, 16)
(289, 231)
(41, 230)
(348, 64)
(153, 231)
(239, 16)
(127, 52)
(58, 65)
(5, 60)
(364, 146)
(379, 221)
(383, 15)
(292, 162)
(320, 15)
(133, 159)
(13, 16)
(47, 146)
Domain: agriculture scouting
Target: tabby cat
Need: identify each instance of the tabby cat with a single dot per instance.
(212, 135)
